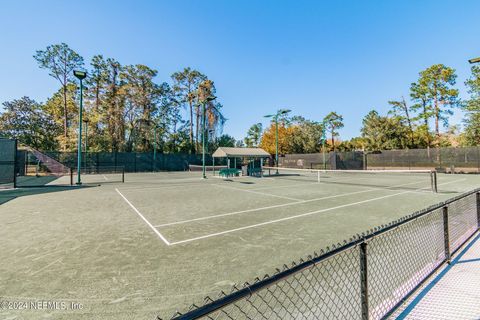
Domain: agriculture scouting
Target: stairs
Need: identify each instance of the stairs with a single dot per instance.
(54, 167)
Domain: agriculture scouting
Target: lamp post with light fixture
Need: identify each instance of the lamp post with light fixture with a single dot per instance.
(204, 118)
(80, 76)
(275, 118)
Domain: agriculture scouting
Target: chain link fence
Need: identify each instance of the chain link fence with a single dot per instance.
(328, 161)
(8, 153)
(465, 159)
(442, 159)
(131, 161)
(368, 277)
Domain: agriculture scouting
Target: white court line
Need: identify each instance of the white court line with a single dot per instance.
(47, 266)
(142, 186)
(301, 215)
(262, 193)
(143, 218)
(159, 185)
(104, 177)
(306, 183)
(281, 205)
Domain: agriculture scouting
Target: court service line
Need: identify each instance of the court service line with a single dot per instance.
(144, 219)
(282, 205)
(300, 215)
(306, 183)
(256, 192)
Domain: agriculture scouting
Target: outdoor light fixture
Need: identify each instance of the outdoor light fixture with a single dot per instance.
(474, 60)
(80, 74)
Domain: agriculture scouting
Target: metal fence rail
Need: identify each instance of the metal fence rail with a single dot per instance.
(367, 277)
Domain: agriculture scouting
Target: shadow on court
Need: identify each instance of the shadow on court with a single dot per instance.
(34, 181)
(8, 195)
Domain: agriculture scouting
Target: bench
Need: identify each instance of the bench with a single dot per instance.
(229, 172)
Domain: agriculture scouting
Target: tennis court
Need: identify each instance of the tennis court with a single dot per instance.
(162, 241)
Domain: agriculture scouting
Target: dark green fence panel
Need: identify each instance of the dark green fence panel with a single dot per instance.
(8, 152)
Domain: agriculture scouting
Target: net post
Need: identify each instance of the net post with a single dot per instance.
(71, 176)
(446, 234)
(123, 174)
(318, 176)
(364, 280)
(433, 181)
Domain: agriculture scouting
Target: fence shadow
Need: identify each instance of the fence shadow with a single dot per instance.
(11, 194)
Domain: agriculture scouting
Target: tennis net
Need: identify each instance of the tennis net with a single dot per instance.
(99, 174)
(392, 179)
(197, 167)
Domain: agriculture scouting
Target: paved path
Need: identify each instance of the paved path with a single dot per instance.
(454, 292)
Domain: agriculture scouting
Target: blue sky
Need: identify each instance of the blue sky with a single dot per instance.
(310, 56)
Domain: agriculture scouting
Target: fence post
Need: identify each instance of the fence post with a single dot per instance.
(478, 209)
(15, 164)
(26, 163)
(478, 159)
(446, 234)
(364, 280)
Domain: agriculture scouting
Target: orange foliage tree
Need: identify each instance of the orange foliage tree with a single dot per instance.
(285, 136)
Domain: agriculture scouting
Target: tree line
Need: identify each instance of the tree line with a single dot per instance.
(408, 123)
(125, 108)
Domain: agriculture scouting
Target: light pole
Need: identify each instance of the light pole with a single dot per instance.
(155, 148)
(204, 118)
(275, 118)
(86, 141)
(324, 138)
(80, 76)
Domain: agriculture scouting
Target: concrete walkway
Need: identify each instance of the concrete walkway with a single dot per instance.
(453, 293)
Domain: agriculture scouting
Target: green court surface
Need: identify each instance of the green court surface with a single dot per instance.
(162, 241)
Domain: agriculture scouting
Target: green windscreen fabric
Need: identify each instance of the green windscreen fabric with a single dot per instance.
(134, 161)
(8, 150)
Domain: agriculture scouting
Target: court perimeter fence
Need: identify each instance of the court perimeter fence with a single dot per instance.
(464, 159)
(367, 277)
(133, 161)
